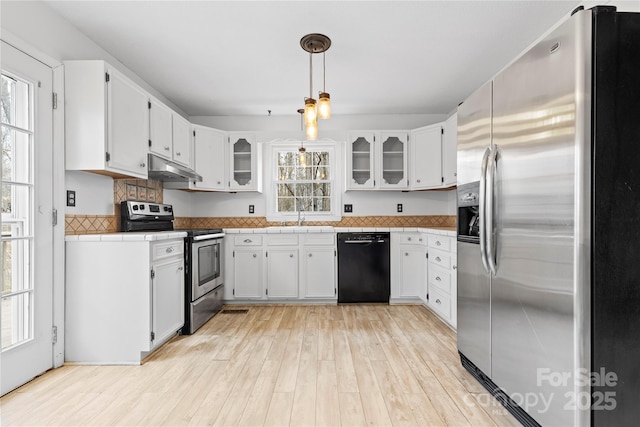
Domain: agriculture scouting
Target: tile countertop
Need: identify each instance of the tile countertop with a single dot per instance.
(127, 237)
(444, 231)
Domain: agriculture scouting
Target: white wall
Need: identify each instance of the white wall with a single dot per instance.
(94, 193)
(181, 201)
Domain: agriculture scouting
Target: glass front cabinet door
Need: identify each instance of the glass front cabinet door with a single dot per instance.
(243, 171)
(393, 160)
(360, 160)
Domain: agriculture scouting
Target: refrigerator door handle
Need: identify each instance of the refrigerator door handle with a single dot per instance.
(481, 209)
(492, 165)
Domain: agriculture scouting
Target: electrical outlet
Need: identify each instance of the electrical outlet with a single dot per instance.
(71, 198)
(251, 209)
(399, 207)
(348, 208)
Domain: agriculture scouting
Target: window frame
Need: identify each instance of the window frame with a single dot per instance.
(271, 177)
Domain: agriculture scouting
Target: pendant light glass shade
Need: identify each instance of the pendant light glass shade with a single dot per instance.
(310, 112)
(324, 106)
(312, 131)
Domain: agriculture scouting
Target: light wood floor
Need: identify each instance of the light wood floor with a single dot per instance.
(276, 365)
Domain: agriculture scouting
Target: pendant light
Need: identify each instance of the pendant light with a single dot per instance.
(314, 43)
(324, 100)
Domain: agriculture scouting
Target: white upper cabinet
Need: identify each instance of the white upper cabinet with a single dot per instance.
(426, 157)
(244, 166)
(360, 161)
(169, 134)
(450, 151)
(106, 121)
(182, 141)
(210, 157)
(160, 129)
(377, 160)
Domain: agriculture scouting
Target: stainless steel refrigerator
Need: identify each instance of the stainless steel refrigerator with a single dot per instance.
(549, 226)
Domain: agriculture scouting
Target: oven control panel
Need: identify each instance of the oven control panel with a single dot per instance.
(141, 209)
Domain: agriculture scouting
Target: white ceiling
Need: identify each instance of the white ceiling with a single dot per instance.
(215, 58)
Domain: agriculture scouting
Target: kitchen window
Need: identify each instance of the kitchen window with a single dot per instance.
(304, 183)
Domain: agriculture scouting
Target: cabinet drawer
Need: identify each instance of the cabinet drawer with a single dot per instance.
(247, 240)
(439, 242)
(412, 239)
(440, 278)
(282, 240)
(167, 249)
(319, 239)
(440, 258)
(440, 303)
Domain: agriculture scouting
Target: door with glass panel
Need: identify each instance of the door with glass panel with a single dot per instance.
(26, 309)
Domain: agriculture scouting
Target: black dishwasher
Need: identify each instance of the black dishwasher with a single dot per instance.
(363, 267)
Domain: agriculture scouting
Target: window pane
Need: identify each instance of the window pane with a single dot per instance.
(16, 319)
(15, 155)
(14, 104)
(16, 202)
(15, 266)
(286, 204)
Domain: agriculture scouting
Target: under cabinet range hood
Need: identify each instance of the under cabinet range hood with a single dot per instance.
(165, 170)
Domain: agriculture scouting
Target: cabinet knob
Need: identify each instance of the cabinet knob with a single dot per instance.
(247, 240)
(408, 239)
(438, 278)
(180, 268)
(255, 255)
(417, 180)
(166, 148)
(420, 239)
(310, 255)
(178, 153)
(143, 165)
(218, 182)
(454, 267)
(438, 259)
(290, 255)
(438, 243)
(438, 301)
(406, 254)
(169, 250)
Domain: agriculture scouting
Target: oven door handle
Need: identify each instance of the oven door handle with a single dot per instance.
(209, 237)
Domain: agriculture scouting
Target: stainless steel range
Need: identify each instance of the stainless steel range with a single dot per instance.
(203, 249)
(204, 277)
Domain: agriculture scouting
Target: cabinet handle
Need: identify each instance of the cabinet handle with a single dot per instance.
(247, 240)
(438, 259)
(255, 255)
(178, 153)
(438, 278)
(143, 165)
(290, 255)
(438, 301)
(169, 250)
(166, 148)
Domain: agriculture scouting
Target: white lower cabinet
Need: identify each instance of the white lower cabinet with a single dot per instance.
(282, 273)
(295, 267)
(318, 267)
(408, 266)
(442, 277)
(123, 299)
(247, 273)
(167, 315)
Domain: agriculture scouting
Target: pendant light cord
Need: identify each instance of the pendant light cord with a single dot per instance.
(310, 75)
(324, 74)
